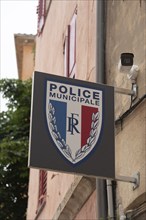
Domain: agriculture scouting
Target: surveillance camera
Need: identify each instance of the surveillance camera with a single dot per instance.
(126, 62)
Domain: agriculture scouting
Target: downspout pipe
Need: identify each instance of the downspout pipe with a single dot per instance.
(100, 41)
(110, 199)
(104, 192)
(101, 193)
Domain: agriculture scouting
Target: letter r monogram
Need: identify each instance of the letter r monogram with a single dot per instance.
(72, 123)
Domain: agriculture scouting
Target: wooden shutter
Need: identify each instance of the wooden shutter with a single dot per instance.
(70, 49)
(42, 188)
(66, 53)
(41, 15)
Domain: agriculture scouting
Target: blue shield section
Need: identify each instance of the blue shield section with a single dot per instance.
(60, 115)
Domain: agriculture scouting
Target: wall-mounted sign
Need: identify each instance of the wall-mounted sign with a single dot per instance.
(72, 126)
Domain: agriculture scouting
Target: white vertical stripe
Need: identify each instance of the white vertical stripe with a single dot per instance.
(74, 140)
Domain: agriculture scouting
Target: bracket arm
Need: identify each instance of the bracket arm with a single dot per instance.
(124, 91)
(135, 179)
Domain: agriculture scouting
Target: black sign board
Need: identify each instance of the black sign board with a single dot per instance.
(72, 126)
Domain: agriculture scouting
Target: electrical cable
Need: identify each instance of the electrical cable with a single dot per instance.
(131, 109)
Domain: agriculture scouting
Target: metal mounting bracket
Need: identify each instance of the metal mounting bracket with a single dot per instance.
(135, 179)
(133, 92)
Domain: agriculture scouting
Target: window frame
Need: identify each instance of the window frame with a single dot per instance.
(70, 48)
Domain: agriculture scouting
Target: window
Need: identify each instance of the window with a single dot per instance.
(70, 48)
(42, 189)
(41, 10)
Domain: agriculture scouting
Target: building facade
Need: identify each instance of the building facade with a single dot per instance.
(25, 55)
(66, 45)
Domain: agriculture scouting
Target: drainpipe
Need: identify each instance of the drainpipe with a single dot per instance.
(101, 195)
(100, 41)
(104, 192)
(110, 199)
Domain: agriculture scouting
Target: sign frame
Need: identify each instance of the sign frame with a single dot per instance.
(43, 153)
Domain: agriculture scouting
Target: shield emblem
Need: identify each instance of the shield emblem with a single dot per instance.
(74, 119)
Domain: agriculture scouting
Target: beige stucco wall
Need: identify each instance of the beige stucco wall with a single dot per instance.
(131, 154)
(49, 58)
(33, 193)
(27, 61)
(126, 22)
(88, 211)
(126, 32)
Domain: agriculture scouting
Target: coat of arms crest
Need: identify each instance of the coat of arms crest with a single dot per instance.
(74, 118)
